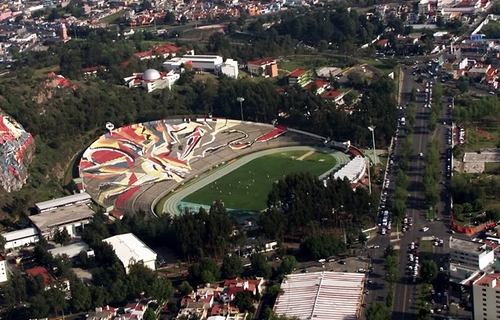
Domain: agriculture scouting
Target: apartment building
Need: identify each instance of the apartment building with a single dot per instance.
(469, 254)
(301, 77)
(486, 297)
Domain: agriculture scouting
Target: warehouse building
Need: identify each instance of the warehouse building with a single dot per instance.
(130, 250)
(20, 238)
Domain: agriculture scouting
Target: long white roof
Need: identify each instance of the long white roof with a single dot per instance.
(353, 170)
(321, 295)
(60, 202)
(20, 234)
(128, 247)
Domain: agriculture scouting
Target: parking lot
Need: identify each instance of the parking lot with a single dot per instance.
(353, 264)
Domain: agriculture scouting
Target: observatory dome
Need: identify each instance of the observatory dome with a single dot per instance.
(151, 74)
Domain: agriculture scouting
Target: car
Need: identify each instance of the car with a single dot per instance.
(376, 247)
(342, 262)
(370, 282)
(421, 154)
(425, 229)
(322, 260)
(367, 292)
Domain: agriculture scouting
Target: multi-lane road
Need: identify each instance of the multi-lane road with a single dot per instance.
(405, 298)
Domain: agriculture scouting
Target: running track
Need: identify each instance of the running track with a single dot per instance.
(171, 205)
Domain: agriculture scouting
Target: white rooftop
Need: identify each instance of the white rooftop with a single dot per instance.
(62, 215)
(129, 248)
(353, 170)
(71, 250)
(321, 295)
(20, 234)
(59, 202)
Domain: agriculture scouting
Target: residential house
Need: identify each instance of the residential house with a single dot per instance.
(319, 86)
(134, 311)
(263, 67)
(106, 313)
(300, 77)
(163, 51)
(335, 96)
(479, 70)
(3, 270)
(49, 280)
(383, 44)
(236, 285)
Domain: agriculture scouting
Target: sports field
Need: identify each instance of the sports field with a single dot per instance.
(247, 187)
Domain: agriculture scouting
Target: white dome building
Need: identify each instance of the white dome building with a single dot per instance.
(152, 79)
(151, 75)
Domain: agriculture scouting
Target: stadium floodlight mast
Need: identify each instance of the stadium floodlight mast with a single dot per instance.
(372, 129)
(110, 127)
(240, 100)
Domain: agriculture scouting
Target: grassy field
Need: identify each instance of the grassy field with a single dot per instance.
(482, 136)
(247, 187)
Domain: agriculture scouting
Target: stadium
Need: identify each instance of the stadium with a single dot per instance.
(131, 168)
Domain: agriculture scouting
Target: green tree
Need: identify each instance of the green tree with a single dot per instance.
(244, 301)
(39, 307)
(274, 290)
(185, 288)
(169, 18)
(62, 237)
(80, 296)
(260, 265)
(56, 300)
(162, 290)
(377, 311)
(232, 267)
(2, 243)
(149, 314)
(428, 270)
(288, 265)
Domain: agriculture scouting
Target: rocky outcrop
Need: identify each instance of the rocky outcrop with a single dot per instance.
(16, 151)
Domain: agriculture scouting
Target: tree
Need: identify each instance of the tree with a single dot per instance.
(377, 311)
(428, 270)
(2, 243)
(62, 237)
(274, 290)
(169, 18)
(288, 265)
(260, 265)
(80, 296)
(244, 301)
(149, 314)
(232, 267)
(39, 307)
(162, 290)
(56, 300)
(185, 288)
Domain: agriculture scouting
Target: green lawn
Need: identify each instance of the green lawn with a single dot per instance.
(247, 187)
(487, 136)
(113, 17)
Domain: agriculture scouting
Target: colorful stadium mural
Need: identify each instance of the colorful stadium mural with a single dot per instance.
(116, 165)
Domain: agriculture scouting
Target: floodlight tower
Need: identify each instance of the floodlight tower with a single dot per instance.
(240, 100)
(372, 129)
(110, 127)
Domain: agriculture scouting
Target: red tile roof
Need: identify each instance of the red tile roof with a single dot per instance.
(383, 42)
(48, 279)
(332, 94)
(297, 72)
(262, 62)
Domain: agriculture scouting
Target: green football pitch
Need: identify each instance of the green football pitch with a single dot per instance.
(247, 187)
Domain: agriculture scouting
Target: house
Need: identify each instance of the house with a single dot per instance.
(479, 70)
(318, 85)
(20, 238)
(263, 67)
(163, 51)
(106, 313)
(230, 68)
(300, 77)
(384, 43)
(203, 63)
(134, 311)
(72, 250)
(336, 96)
(130, 250)
(49, 280)
(233, 286)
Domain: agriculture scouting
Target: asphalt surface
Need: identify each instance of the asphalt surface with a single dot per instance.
(171, 205)
(405, 298)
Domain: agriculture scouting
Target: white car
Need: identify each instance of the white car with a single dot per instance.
(425, 229)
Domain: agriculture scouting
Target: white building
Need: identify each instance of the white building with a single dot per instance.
(469, 254)
(354, 170)
(130, 250)
(82, 197)
(71, 217)
(230, 68)
(151, 80)
(485, 293)
(20, 238)
(3, 270)
(321, 295)
(208, 63)
(72, 250)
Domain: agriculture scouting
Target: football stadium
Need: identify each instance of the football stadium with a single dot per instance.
(133, 167)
